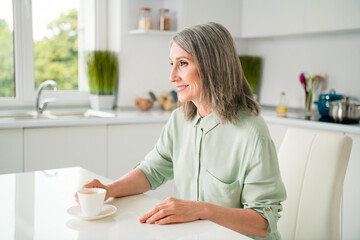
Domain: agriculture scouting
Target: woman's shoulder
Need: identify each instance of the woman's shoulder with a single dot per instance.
(177, 115)
(253, 123)
(177, 118)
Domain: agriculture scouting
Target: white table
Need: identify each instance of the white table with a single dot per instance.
(33, 206)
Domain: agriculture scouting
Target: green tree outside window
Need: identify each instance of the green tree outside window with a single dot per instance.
(6, 60)
(56, 57)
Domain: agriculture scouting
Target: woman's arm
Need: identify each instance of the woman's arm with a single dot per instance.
(243, 220)
(134, 182)
(172, 210)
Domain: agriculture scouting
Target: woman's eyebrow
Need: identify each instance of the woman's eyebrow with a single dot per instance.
(180, 58)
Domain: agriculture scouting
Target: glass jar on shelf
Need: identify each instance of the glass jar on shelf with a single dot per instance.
(163, 19)
(144, 19)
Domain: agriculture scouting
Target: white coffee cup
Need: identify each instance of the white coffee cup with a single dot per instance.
(91, 200)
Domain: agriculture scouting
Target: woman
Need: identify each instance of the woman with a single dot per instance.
(215, 146)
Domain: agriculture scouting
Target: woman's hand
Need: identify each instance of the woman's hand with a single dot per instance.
(94, 184)
(173, 210)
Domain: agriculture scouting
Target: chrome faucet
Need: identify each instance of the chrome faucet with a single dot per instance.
(41, 105)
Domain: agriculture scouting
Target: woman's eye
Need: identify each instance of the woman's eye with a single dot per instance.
(171, 64)
(183, 63)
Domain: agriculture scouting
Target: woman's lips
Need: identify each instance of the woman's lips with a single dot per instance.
(181, 87)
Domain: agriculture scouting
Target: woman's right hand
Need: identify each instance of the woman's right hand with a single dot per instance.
(95, 183)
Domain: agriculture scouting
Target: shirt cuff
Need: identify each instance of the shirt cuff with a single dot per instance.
(270, 213)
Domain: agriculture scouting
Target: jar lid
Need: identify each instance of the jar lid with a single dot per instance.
(145, 9)
(163, 9)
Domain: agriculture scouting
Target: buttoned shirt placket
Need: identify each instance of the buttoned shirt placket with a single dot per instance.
(198, 139)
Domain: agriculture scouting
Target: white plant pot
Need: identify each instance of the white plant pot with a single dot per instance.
(101, 102)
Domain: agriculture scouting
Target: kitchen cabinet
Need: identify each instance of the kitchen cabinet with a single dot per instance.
(351, 193)
(127, 146)
(227, 13)
(11, 150)
(264, 18)
(331, 15)
(59, 147)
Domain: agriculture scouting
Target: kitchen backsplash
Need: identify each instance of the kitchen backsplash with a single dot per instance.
(337, 55)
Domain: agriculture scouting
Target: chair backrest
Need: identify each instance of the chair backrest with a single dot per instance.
(313, 166)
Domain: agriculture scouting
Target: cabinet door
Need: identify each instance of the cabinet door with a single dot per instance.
(11, 151)
(227, 13)
(47, 148)
(332, 15)
(127, 146)
(272, 17)
(351, 193)
(262, 18)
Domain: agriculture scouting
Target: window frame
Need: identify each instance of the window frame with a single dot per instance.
(25, 92)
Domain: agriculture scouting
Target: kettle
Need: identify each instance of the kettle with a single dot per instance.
(324, 100)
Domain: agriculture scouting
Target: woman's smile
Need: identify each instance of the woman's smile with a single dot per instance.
(180, 88)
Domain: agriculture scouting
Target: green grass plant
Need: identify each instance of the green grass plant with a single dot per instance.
(102, 71)
(251, 66)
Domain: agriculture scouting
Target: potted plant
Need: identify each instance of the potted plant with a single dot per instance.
(102, 72)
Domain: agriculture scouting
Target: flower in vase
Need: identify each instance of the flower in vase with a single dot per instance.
(309, 83)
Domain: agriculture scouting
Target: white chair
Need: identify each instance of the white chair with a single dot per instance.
(313, 166)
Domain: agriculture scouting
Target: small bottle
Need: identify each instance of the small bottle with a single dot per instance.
(144, 19)
(281, 109)
(164, 19)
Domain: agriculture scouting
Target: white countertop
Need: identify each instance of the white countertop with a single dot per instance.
(295, 118)
(34, 204)
(114, 117)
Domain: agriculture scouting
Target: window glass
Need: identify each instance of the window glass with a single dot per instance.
(55, 38)
(7, 80)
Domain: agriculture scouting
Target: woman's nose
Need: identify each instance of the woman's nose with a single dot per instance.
(173, 75)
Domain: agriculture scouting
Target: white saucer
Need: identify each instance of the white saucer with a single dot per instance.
(106, 210)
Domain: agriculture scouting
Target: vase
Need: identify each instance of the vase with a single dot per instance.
(308, 102)
(102, 102)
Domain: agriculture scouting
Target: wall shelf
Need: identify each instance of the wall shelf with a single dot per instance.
(152, 32)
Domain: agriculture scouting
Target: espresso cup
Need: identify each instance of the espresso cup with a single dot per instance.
(91, 201)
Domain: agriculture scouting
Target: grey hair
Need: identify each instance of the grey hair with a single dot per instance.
(223, 83)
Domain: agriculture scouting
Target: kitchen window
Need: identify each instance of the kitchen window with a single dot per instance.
(7, 80)
(55, 41)
(46, 39)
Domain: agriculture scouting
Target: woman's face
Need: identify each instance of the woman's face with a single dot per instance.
(185, 75)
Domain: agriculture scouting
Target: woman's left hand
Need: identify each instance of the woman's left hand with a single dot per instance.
(173, 210)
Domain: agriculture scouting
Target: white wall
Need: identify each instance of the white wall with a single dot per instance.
(145, 66)
(144, 61)
(335, 54)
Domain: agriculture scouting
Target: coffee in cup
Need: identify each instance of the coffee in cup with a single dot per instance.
(91, 201)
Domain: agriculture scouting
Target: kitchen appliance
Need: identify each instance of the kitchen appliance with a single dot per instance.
(325, 99)
(344, 111)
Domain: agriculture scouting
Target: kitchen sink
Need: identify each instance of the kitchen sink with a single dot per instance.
(78, 114)
(18, 115)
(55, 114)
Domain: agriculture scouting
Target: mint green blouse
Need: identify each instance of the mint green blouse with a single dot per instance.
(231, 165)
